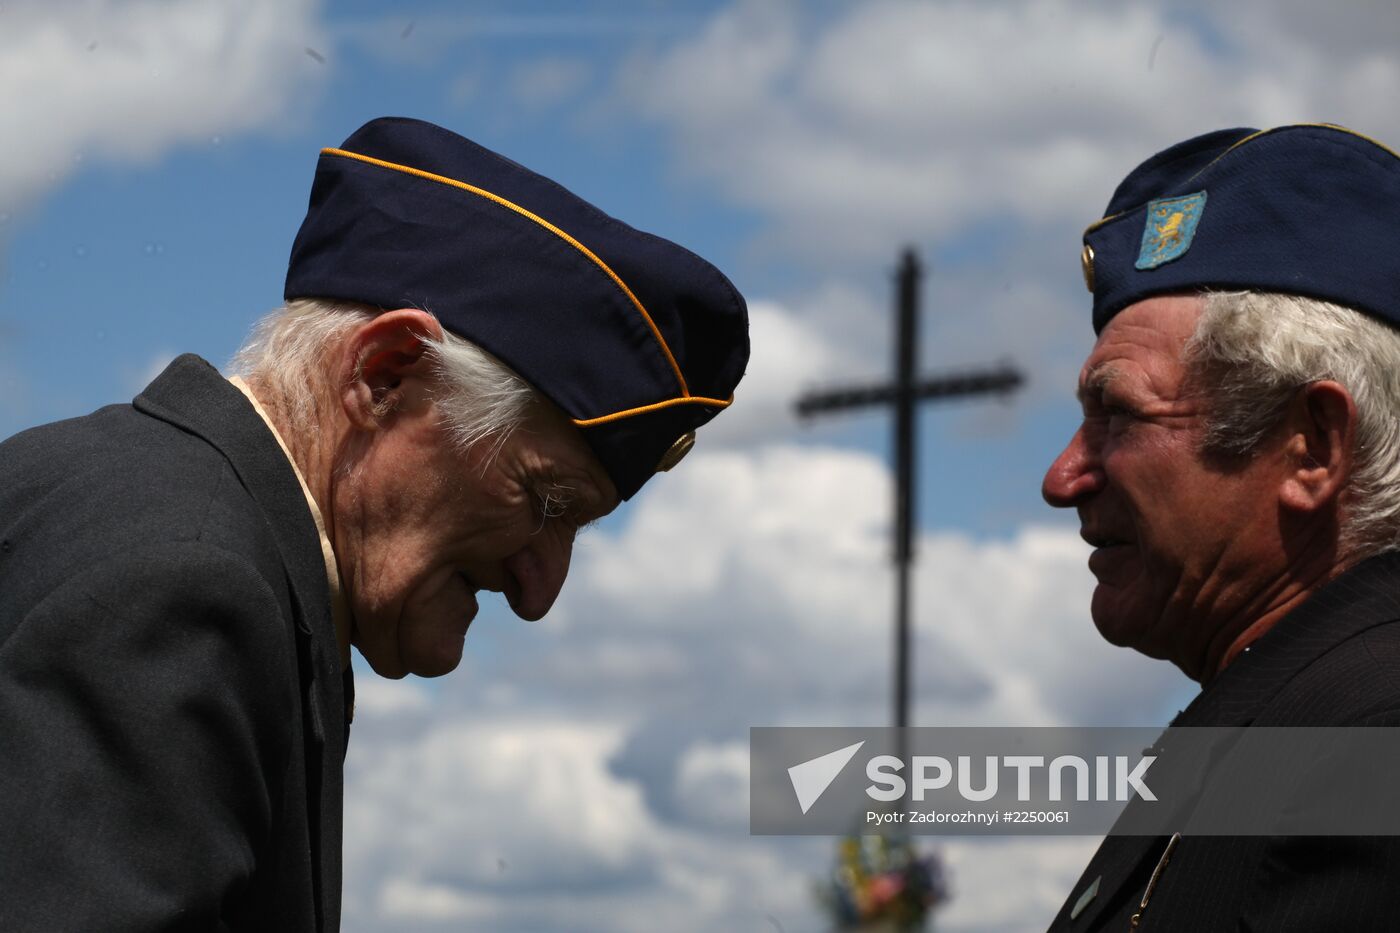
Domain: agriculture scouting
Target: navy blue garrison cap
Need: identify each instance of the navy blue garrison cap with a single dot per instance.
(1311, 209)
(636, 339)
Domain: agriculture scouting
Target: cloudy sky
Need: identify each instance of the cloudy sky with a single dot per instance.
(589, 773)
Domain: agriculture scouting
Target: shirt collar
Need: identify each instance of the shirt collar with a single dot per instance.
(339, 609)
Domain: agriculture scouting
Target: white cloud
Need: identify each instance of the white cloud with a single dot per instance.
(897, 120)
(712, 785)
(788, 356)
(376, 697)
(410, 900)
(549, 81)
(553, 812)
(126, 80)
(790, 545)
(1010, 884)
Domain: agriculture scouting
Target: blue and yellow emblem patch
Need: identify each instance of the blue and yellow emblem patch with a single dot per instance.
(1171, 224)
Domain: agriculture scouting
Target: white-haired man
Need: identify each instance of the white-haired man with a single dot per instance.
(471, 364)
(1236, 473)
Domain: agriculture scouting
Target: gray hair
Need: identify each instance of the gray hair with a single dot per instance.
(1252, 351)
(479, 397)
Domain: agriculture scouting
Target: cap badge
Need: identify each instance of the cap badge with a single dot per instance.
(1086, 265)
(1171, 225)
(677, 452)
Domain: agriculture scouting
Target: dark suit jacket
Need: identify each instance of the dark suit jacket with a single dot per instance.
(171, 704)
(1334, 661)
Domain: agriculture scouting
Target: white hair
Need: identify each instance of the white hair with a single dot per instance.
(479, 397)
(1252, 351)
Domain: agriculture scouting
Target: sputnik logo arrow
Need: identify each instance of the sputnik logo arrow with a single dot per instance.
(811, 778)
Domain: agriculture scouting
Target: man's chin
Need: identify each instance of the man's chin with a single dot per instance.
(427, 657)
(1113, 617)
(431, 636)
(437, 667)
(440, 656)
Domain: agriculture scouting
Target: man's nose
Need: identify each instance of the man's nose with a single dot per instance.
(535, 574)
(1076, 473)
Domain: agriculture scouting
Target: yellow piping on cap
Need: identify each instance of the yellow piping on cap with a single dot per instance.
(1240, 142)
(511, 205)
(656, 406)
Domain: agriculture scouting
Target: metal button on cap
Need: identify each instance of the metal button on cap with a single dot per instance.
(677, 452)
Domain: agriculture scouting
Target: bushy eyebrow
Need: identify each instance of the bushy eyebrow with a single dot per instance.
(1096, 381)
(555, 498)
(558, 499)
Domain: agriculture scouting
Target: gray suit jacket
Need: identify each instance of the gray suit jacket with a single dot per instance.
(1334, 661)
(172, 713)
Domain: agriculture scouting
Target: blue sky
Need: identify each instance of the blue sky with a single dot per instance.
(181, 249)
(158, 158)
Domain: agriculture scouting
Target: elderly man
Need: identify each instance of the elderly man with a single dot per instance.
(1237, 473)
(472, 363)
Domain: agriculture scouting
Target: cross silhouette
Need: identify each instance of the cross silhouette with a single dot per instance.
(907, 390)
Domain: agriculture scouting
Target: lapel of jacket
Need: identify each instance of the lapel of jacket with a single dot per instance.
(192, 395)
(1119, 869)
(1365, 596)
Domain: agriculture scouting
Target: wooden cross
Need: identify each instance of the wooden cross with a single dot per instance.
(906, 390)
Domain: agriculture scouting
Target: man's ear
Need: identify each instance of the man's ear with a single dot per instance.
(1321, 438)
(382, 363)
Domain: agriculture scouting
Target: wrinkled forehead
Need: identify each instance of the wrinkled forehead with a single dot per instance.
(1148, 337)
